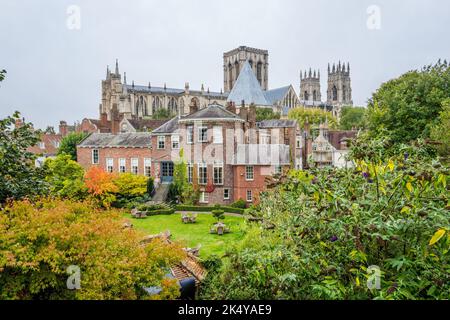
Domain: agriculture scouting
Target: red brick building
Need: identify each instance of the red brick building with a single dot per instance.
(228, 155)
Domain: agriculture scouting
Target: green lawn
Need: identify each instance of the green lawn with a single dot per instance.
(195, 233)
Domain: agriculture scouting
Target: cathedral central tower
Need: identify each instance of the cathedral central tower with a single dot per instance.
(234, 60)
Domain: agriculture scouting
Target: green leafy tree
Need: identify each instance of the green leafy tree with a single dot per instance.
(352, 118)
(441, 131)
(19, 177)
(2, 75)
(69, 144)
(162, 114)
(180, 188)
(266, 114)
(314, 116)
(65, 177)
(406, 108)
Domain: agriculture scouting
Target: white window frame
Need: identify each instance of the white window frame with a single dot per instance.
(264, 138)
(226, 197)
(161, 139)
(42, 145)
(247, 173)
(190, 134)
(204, 197)
(217, 135)
(175, 139)
(110, 165)
(247, 193)
(202, 166)
(135, 165)
(148, 167)
(95, 156)
(218, 165)
(122, 163)
(190, 172)
(199, 131)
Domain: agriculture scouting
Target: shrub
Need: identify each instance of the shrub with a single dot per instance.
(218, 214)
(40, 240)
(158, 212)
(150, 186)
(239, 204)
(330, 225)
(130, 185)
(184, 207)
(101, 186)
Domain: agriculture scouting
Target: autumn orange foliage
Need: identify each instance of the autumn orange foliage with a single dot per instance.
(99, 182)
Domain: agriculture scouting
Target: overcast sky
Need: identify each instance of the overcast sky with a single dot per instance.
(55, 72)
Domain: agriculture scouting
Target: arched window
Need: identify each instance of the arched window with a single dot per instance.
(236, 69)
(140, 107)
(251, 63)
(334, 93)
(182, 105)
(314, 95)
(344, 93)
(306, 96)
(259, 72)
(156, 105)
(144, 106)
(172, 106)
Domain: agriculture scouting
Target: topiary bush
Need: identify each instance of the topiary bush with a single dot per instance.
(218, 214)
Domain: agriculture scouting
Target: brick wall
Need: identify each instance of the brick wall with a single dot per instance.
(84, 157)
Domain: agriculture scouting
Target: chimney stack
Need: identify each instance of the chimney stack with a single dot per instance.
(63, 130)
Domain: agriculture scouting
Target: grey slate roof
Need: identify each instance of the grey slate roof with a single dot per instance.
(174, 91)
(168, 127)
(105, 140)
(262, 154)
(211, 112)
(275, 95)
(148, 124)
(277, 124)
(247, 88)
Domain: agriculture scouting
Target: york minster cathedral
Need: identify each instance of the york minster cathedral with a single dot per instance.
(245, 81)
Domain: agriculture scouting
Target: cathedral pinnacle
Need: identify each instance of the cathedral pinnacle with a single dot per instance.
(125, 78)
(117, 67)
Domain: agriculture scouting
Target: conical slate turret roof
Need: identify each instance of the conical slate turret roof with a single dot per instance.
(247, 88)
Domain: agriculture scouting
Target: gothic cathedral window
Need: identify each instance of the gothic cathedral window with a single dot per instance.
(335, 93)
(259, 72)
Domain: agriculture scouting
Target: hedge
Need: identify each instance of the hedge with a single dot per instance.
(160, 212)
(183, 207)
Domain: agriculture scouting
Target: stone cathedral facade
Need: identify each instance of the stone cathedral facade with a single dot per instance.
(339, 89)
(123, 100)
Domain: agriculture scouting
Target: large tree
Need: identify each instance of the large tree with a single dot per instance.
(19, 177)
(314, 116)
(266, 114)
(69, 143)
(352, 118)
(406, 108)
